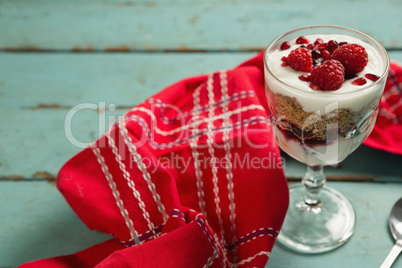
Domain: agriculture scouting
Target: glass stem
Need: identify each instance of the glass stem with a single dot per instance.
(313, 181)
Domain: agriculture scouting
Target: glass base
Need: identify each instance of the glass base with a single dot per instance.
(317, 228)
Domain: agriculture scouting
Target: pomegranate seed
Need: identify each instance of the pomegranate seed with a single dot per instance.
(284, 60)
(325, 54)
(318, 41)
(342, 43)
(316, 54)
(332, 45)
(314, 86)
(302, 40)
(310, 46)
(321, 46)
(372, 77)
(359, 81)
(285, 45)
(305, 77)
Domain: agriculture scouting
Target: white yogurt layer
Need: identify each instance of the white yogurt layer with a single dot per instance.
(348, 96)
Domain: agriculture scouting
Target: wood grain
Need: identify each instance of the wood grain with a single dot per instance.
(36, 222)
(177, 25)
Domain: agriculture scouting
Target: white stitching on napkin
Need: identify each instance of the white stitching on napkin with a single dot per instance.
(228, 157)
(116, 194)
(130, 182)
(193, 144)
(140, 164)
(211, 151)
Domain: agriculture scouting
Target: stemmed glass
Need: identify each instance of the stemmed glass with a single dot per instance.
(320, 129)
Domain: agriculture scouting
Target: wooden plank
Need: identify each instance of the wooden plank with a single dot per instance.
(60, 81)
(37, 92)
(159, 25)
(36, 222)
(371, 241)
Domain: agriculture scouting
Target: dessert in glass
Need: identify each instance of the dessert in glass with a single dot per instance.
(323, 86)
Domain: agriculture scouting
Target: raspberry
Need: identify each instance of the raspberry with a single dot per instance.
(327, 76)
(352, 56)
(300, 59)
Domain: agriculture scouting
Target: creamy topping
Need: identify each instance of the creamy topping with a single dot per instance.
(290, 76)
(318, 99)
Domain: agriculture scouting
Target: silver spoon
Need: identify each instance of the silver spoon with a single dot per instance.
(395, 224)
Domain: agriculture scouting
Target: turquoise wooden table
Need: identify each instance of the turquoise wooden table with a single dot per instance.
(114, 54)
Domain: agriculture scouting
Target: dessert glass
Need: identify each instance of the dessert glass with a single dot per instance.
(320, 128)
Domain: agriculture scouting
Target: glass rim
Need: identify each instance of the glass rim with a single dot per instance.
(364, 88)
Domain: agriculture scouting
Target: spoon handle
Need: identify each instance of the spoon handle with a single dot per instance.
(396, 249)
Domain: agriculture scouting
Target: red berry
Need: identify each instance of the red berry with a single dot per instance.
(352, 56)
(285, 45)
(305, 77)
(325, 54)
(284, 60)
(316, 54)
(321, 46)
(310, 46)
(359, 81)
(300, 59)
(302, 40)
(332, 45)
(327, 76)
(372, 77)
(318, 41)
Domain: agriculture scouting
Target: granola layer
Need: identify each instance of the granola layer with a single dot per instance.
(313, 127)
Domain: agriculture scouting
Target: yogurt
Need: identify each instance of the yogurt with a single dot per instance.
(348, 96)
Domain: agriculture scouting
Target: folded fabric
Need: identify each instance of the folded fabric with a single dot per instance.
(191, 177)
(387, 132)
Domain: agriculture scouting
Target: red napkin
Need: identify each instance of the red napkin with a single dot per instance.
(387, 132)
(192, 177)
